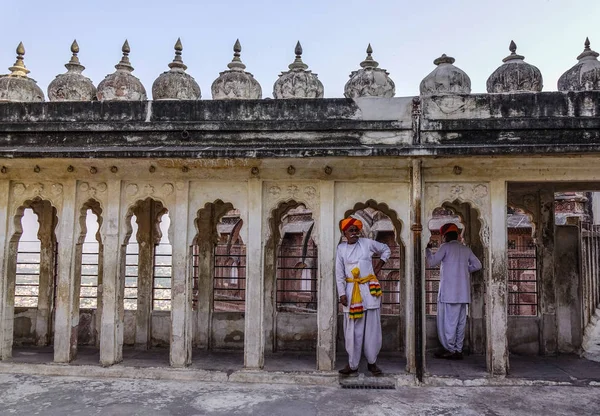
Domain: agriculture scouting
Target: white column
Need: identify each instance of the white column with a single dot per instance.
(181, 286)
(7, 285)
(66, 317)
(327, 298)
(415, 279)
(497, 291)
(111, 333)
(254, 345)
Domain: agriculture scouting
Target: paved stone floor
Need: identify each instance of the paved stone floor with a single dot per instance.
(54, 396)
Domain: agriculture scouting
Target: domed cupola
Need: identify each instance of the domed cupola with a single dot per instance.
(72, 85)
(298, 82)
(122, 85)
(235, 83)
(369, 81)
(515, 75)
(445, 79)
(17, 86)
(176, 84)
(585, 75)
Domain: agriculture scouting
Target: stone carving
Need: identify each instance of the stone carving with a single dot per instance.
(476, 194)
(298, 82)
(72, 85)
(52, 192)
(163, 192)
(310, 192)
(293, 191)
(585, 75)
(445, 79)
(121, 85)
(92, 191)
(369, 81)
(17, 86)
(176, 84)
(515, 75)
(275, 191)
(235, 83)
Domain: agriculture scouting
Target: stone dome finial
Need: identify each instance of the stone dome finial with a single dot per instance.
(176, 84)
(585, 74)
(72, 85)
(122, 85)
(17, 86)
(515, 75)
(445, 79)
(370, 80)
(298, 82)
(235, 83)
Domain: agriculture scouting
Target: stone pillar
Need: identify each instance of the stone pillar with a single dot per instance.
(546, 278)
(146, 220)
(327, 292)
(254, 345)
(181, 287)
(205, 278)
(66, 319)
(497, 293)
(43, 322)
(6, 306)
(415, 280)
(113, 280)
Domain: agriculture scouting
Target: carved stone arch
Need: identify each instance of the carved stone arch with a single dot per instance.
(23, 192)
(159, 210)
(474, 194)
(211, 213)
(37, 205)
(96, 207)
(382, 207)
(527, 203)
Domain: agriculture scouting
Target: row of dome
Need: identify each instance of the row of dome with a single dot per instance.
(514, 75)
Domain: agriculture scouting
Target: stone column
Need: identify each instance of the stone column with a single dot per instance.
(497, 293)
(327, 292)
(254, 345)
(43, 322)
(6, 306)
(415, 280)
(546, 279)
(146, 220)
(205, 280)
(113, 281)
(66, 319)
(181, 287)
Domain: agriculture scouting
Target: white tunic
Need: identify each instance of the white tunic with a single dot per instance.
(359, 254)
(458, 262)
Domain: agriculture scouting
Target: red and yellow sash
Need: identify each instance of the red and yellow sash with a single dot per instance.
(357, 309)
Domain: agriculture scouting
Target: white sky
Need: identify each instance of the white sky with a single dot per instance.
(406, 36)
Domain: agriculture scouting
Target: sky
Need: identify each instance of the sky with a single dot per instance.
(406, 37)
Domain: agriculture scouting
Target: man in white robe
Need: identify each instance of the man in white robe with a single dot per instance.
(457, 264)
(360, 294)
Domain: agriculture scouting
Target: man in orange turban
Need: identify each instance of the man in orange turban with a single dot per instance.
(356, 281)
(457, 264)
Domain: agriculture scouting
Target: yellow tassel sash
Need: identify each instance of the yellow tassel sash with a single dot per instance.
(357, 309)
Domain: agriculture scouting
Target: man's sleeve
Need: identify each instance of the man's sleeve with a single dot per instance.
(382, 250)
(474, 263)
(340, 273)
(434, 259)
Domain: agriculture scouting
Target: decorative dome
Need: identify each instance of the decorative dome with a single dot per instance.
(298, 82)
(17, 86)
(445, 79)
(515, 75)
(72, 85)
(235, 83)
(176, 84)
(370, 81)
(585, 75)
(121, 85)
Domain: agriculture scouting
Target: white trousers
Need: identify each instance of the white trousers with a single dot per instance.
(364, 331)
(451, 323)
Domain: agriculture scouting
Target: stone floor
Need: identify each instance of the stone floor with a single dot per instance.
(560, 369)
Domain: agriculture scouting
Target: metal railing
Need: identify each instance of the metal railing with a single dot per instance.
(522, 280)
(590, 269)
(296, 281)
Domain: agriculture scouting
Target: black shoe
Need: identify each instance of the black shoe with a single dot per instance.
(348, 372)
(456, 355)
(376, 371)
(444, 354)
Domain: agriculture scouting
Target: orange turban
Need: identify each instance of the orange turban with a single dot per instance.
(446, 228)
(346, 223)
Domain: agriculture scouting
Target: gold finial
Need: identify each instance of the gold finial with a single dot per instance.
(124, 64)
(73, 65)
(75, 47)
(298, 64)
(369, 62)
(19, 69)
(236, 63)
(177, 63)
